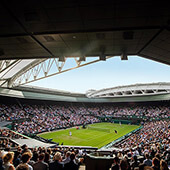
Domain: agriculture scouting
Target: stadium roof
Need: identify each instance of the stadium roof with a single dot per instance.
(131, 90)
(40, 30)
(130, 93)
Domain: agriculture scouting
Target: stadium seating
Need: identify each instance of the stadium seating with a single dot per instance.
(29, 117)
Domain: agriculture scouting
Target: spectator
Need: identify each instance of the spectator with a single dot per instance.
(156, 164)
(7, 159)
(40, 164)
(26, 158)
(47, 158)
(56, 164)
(147, 161)
(71, 165)
(22, 167)
(123, 164)
(163, 165)
(67, 159)
(115, 166)
(135, 162)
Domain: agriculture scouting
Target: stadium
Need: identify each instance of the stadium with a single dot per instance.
(121, 127)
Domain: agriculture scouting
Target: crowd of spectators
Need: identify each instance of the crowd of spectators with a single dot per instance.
(134, 163)
(10, 112)
(149, 147)
(143, 111)
(152, 142)
(24, 158)
(7, 138)
(47, 117)
(9, 134)
(152, 133)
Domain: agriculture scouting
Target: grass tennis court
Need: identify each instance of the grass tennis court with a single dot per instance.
(100, 135)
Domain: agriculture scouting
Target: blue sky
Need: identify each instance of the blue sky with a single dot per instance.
(105, 74)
